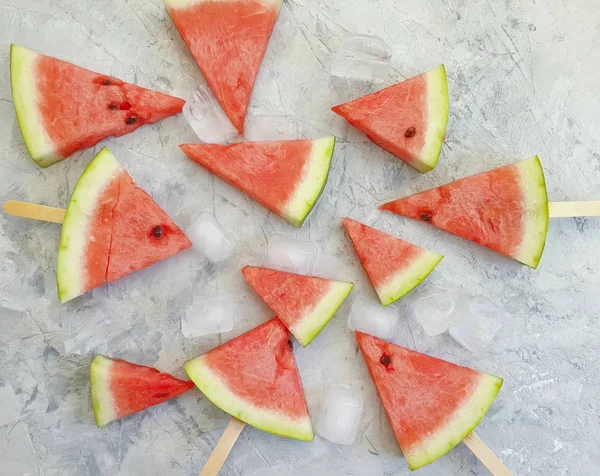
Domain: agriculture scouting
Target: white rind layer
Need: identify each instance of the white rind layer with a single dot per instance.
(102, 400)
(71, 267)
(217, 392)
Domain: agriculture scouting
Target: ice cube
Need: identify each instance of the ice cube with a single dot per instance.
(340, 415)
(207, 118)
(210, 316)
(290, 255)
(362, 57)
(211, 238)
(265, 128)
(476, 330)
(91, 328)
(437, 310)
(372, 318)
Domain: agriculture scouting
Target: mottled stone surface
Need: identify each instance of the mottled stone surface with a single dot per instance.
(523, 77)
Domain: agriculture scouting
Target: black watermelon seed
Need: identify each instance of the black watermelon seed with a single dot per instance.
(410, 132)
(426, 217)
(385, 360)
(107, 82)
(158, 231)
(113, 106)
(131, 120)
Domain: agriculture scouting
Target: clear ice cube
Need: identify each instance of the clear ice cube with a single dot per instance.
(438, 310)
(339, 418)
(476, 330)
(207, 118)
(362, 57)
(290, 255)
(266, 128)
(211, 238)
(91, 328)
(210, 316)
(372, 318)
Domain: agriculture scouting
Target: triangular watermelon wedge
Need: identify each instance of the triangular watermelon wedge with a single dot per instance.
(255, 379)
(394, 266)
(505, 209)
(305, 304)
(63, 108)
(286, 177)
(431, 404)
(120, 388)
(228, 39)
(111, 228)
(408, 119)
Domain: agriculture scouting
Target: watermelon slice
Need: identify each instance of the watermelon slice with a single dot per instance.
(408, 119)
(63, 108)
(120, 388)
(111, 228)
(505, 209)
(432, 404)
(305, 304)
(286, 177)
(394, 266)
(228, 39)
(254, 378)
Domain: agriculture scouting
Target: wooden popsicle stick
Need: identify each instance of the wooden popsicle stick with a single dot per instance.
(34, 211)
(219, 455)
(486, 456)
(574, 209)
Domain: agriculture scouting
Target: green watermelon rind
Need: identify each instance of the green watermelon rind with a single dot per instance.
(462, 422)
(312, 183)
(70, 269)
(24, 92)
(217, 392)
(437, 119)
(408, 278)
(536, 204)
(102, 400)
(307, 329)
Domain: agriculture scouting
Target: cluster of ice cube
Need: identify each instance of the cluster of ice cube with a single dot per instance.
(341, 411)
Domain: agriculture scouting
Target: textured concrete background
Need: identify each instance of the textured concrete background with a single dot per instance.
(523, 78)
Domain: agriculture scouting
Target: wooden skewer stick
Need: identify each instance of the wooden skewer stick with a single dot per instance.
(34, 211)
(486, 456)
(574, 209)
(217, 458)
(57, 215)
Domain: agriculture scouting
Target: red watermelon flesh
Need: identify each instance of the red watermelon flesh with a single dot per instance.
(255, 379)
(286, 177)
(112, 228)
(120, 388)
(63, 108)
(505, 209)
(407, 119)
(228, 39)
(394, 266)
(431, 404)
(305, 304)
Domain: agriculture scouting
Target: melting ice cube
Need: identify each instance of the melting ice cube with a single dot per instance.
(290, 255)
(91, 328)
(211, 316)
(362, 57)
(211, 238)
(266, 128)
(340, 415)
(372, 318)
(208, 120)
(478, 328)
(438, 310)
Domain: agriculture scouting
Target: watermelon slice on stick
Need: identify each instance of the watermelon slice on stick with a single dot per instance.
(227, 38)
(254, 378)
(408, 119)
(63, 108)
(394, 266)
(505, 209)
(120, 388)
(286, 177)
(431, 404)
(305, 304)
